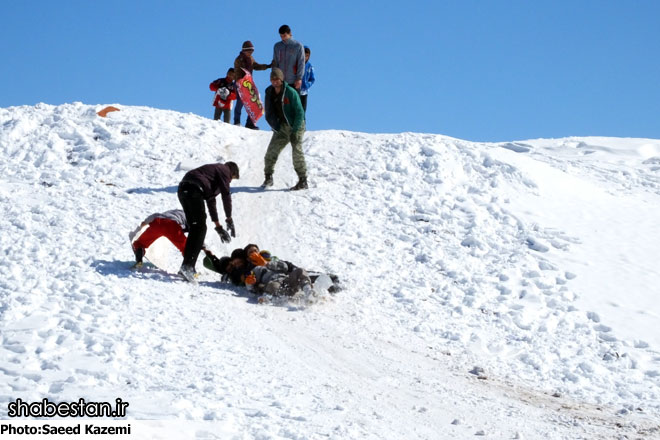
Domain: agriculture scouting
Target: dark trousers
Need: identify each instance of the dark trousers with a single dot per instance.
(222, 112)
(237, 110)
(237, 114)
(303, 101)
(192, 202)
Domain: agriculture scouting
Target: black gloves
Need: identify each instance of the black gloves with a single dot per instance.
(224, 236)
(230, 226)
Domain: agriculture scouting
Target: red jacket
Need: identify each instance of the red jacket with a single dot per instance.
(217, 85)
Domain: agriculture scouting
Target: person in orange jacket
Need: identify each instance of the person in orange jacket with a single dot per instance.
(262, 273)
(225, 93)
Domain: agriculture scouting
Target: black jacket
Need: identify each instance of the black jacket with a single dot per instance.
(212, 179)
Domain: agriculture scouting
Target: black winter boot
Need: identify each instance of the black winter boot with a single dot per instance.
(268, 181)
(139, 254)
(249, 124)
(302, 184)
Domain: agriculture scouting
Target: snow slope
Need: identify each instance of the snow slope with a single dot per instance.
(500, 290)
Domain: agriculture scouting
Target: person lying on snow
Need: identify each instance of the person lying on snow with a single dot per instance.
(263, 273)
(233, 268)
(239, 268)
(274, 279)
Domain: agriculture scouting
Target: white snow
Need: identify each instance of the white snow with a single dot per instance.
(503, 290)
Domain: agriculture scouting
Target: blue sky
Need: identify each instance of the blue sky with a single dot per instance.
(477, 70)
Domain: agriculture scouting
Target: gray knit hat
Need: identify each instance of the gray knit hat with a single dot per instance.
(276, 73)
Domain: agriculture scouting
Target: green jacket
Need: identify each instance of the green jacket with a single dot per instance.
(292, 108)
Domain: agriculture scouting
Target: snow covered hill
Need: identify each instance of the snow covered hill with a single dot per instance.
(501, 290)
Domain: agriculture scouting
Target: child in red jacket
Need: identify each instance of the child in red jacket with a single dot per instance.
(225, 93)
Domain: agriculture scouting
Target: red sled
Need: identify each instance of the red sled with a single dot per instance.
(249, 95)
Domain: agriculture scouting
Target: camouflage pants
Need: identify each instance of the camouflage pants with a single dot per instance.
(290, 284)
(277, 143)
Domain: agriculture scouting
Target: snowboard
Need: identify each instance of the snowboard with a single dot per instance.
(249, 95)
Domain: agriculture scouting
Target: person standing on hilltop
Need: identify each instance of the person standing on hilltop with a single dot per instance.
(285, 115)
(244, 60)
(224, 94)
(289, 56)
(307, 80)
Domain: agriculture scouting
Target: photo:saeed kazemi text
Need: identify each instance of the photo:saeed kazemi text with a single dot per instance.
(10, 429)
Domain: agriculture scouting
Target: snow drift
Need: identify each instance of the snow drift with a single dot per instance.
(505, 290)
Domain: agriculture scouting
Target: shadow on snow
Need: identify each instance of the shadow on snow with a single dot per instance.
(168, 189)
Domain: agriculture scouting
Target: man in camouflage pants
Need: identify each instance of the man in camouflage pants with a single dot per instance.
(285, 115)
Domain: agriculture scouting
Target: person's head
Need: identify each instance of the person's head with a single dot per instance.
(230, 73)
(308, 53)
(255, 256)
(285, 32)
(238, 254)
(250, 249)
(247, 47)
(235, 270)
(276, 77)
(222, 265)
(233, 168)
(233, 264)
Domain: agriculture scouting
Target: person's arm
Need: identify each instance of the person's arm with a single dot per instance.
(311, 78)
(213, 209)
(258, 66)
(251, 282)
(274, 63)
(213, 212)
(257, 259)
(278, 266)
(214, 260)
(298, 112)
(254, 280)
(238, 69)
(268, 107)
(300, 61)
(212, 205)
(226, 203)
